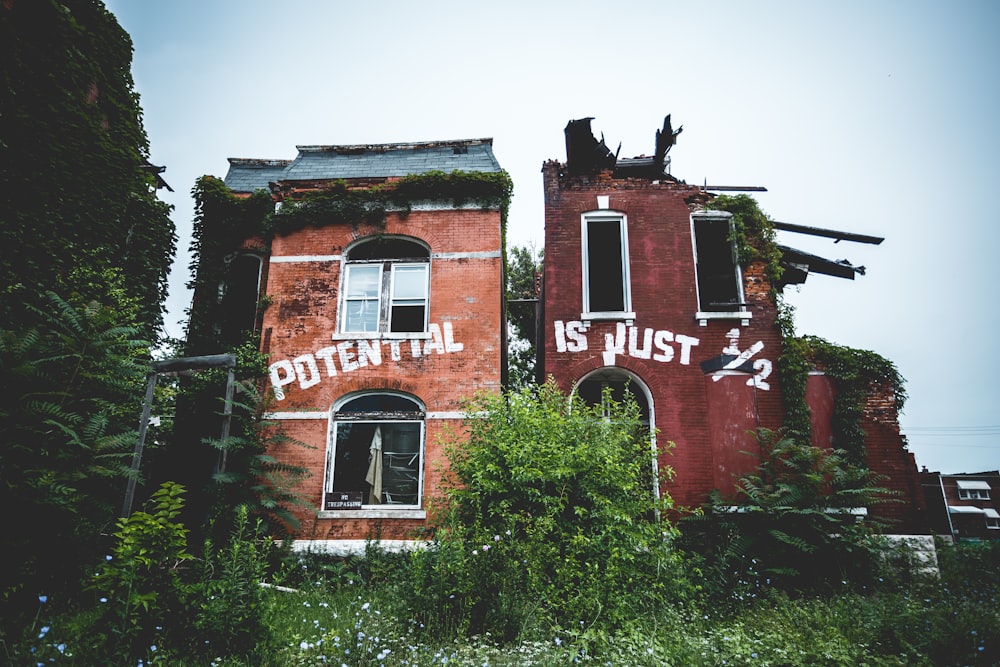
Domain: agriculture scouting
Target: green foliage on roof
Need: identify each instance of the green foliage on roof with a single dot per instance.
(223, 221)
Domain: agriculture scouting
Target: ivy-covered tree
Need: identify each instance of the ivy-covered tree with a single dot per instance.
(76, 187)
(87, 247)
(524, 264)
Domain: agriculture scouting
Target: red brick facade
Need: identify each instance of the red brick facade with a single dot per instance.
(663, 342)
(461, 354)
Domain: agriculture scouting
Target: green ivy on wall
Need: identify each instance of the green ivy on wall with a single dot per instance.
(853, 372)
(222, 220)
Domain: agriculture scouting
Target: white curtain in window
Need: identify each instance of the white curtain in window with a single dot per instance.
(374, 476)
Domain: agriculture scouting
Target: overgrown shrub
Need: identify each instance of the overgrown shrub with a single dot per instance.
(793, 529)
(139, 584)
(549, 517)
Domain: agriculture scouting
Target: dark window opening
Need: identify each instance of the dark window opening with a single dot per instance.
(376, 450)
(718, 275)
(239, 300)
(620, 385)
(605, 266)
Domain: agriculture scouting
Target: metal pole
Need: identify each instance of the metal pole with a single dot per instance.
(227, 418)
(147, 406)
(178, 366)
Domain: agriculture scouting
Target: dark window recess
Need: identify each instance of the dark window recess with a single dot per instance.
(718, 287)
(605, 266)
(619, 385)
(376, 450)
(239, 301)
(389, 248)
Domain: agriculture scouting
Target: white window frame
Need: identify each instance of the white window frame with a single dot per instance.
(393, 299)
(368, 510)
(385, 300)
(973, 494)
(347, 300)
(742, 313)
(606, 216)
(973, 489)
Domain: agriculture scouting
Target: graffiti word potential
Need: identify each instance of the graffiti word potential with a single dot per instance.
(350, 355)
(650, 344)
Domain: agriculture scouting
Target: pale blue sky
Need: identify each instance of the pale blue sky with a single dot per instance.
(872, 117)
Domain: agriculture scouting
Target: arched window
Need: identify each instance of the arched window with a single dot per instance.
(375, 453)
(621, 383)
(386, 287)
(591, 390)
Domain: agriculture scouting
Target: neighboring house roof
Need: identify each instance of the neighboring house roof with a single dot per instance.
(363, 161)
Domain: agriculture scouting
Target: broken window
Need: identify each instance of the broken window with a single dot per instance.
(375, 453)
(606, 290)
(720, 283)
(386, 287)
(618, 385)
(238, 295)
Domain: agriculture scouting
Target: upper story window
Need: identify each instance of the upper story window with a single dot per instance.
(386, 287)
(719, 279)
(618, 384)
(375, 453)
(238, 296)
(607, 292)
(973, 489)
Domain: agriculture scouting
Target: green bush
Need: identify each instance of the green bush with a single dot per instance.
(550, 518)
(792, 529)
(139, 583)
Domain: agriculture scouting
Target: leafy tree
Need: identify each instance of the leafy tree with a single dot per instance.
(82, 284)
(524, 264)
(76, 187)
(71, 387)
(549, 513)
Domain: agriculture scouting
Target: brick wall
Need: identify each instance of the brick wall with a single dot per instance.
(464, 355)
(705, 415)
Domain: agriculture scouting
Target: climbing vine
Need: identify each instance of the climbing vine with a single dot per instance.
(222, 217)
(75, 186)
(339, 203)
(853, 372)
(753, 234)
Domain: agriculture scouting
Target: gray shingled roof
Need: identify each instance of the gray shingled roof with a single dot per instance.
(363, 161)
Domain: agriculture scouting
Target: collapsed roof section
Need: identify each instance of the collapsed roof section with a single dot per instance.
(587, 155)
(385, 161)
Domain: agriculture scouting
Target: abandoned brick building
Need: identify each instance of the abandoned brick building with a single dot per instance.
(643, 291)
(384, 293)
(380, 320)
